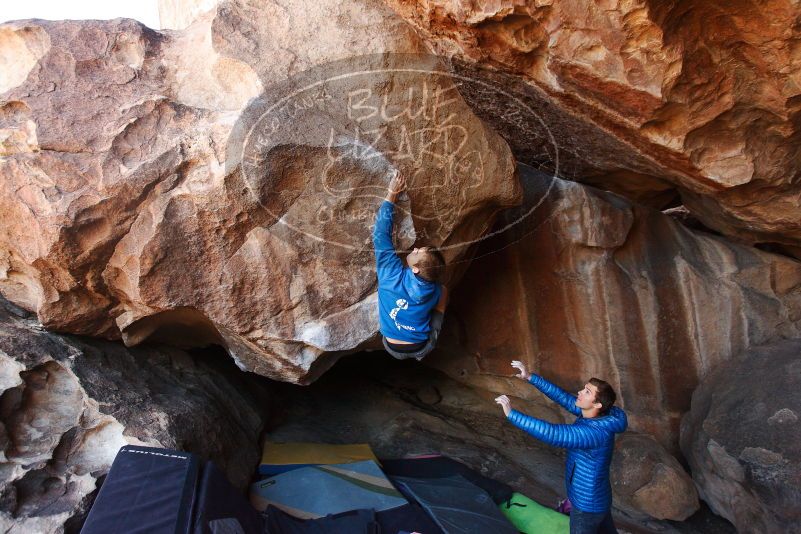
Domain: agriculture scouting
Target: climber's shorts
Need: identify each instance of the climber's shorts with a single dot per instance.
(418, 350)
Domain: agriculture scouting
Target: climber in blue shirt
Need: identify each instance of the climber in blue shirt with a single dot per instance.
(411, 302)
(589, 441)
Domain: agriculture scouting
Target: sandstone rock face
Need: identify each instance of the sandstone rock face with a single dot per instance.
(648, 482)
(591, 285)
(206, 186)
(643, 97)
(68, 405)
(178, 14)
(741, 439)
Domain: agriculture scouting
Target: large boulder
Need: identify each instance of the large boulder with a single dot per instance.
(663, 102)
(741, 438)
(588, 284)
(69, 404)
(218, 184)
(647, 482)
(651, 99)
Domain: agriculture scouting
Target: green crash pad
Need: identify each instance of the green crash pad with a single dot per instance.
(530, 517)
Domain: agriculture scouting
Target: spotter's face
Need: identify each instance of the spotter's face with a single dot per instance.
(586, 397)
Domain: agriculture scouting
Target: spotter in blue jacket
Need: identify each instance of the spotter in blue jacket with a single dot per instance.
(589, 443)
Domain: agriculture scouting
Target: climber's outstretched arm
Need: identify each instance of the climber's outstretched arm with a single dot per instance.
(388, 264)
(552, 391)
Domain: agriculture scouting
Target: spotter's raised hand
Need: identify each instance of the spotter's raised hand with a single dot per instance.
(505, 403)
(522, 371)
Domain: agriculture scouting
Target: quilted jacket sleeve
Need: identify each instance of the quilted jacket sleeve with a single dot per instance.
(556, 394)
(566, 436)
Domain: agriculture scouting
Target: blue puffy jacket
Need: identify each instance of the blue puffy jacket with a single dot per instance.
(589, 444)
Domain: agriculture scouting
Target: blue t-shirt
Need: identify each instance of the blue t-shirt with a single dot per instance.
(405, 300)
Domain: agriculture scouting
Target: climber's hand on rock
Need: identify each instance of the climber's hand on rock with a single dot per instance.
(522, 371)
(396, 186)
(505, 403)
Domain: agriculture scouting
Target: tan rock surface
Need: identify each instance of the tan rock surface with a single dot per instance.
(702, 95)
(592, 285)
(179, 14)
(69, 404)
(647, 481)
(128, 211)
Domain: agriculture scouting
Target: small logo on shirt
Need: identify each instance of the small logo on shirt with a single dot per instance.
(400, 304)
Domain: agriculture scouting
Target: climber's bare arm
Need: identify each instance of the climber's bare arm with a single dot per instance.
(443, 300)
